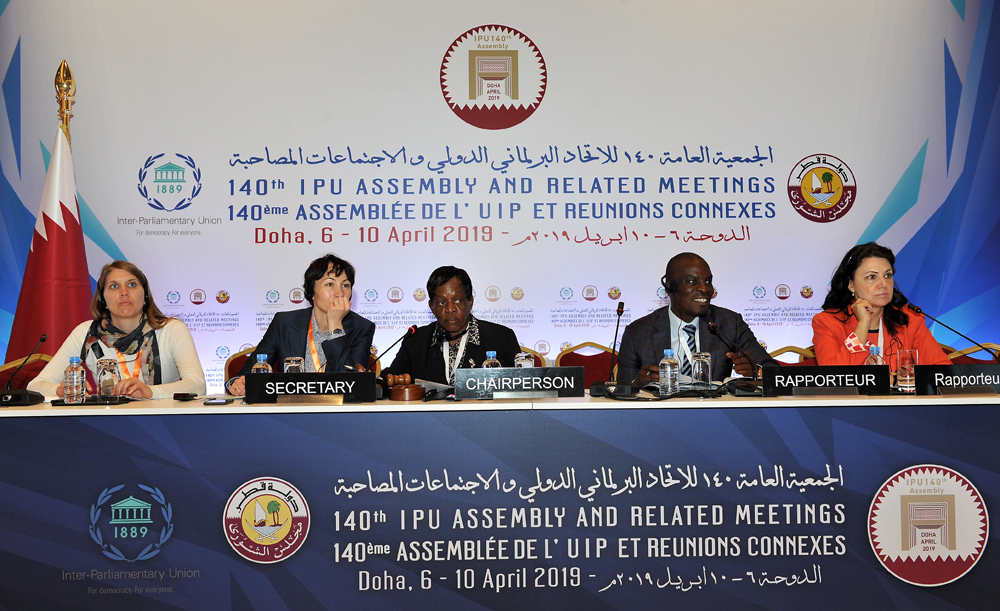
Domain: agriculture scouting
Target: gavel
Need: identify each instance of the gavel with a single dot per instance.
(402, 388)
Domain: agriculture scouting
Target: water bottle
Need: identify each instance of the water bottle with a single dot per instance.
(261, 366)
(491, 360)
(874, 356)
(669, 368)
(75, 382)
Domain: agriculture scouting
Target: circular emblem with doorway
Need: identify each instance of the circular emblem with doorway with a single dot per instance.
(928, 525)
(821, 188)
(266, 520)
(493, 77)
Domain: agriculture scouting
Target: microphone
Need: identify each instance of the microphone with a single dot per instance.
(22, 397)
(599, 389)
(412, 329)
(917, 309)
(714, 328)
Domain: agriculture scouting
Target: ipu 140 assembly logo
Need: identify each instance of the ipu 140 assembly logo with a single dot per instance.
(171, 186)
(493, 77)
(130, 528)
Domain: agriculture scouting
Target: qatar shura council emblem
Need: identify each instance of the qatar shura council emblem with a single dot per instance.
(821, 188)
(266, 520)
(928, 525)
(493, 77)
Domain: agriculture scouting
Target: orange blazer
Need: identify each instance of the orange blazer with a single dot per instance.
(830, 331)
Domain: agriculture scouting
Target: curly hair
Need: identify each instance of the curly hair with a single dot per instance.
(443, 275)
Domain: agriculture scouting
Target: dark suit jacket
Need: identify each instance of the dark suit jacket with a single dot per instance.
(288, 335)
(423, 360)
(645, 339)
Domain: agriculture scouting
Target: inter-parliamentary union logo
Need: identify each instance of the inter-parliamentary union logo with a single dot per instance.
(169, 186)
(821, 188)
(266, 520)
(928, 525)
(131, 524)
(493, 77)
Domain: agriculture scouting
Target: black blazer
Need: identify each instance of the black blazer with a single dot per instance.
(645, 339)
(288, 335)
(423, 360)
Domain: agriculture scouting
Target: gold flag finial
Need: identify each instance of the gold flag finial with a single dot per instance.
(65, 91)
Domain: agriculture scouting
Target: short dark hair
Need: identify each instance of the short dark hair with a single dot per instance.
(840, 296)
(318, 268)
(443, 275)
(668, 275)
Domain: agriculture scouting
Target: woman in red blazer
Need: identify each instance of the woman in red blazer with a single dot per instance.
(864, 309)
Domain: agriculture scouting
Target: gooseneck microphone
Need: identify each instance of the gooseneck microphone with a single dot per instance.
(409, 331)
(601, 389)
(917, 309)
(614, 347)
(714, 328)
(22, 397)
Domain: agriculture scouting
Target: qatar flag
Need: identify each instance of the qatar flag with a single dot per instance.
(55, 293)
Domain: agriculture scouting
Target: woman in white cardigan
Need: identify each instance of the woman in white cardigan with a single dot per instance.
(156, 354)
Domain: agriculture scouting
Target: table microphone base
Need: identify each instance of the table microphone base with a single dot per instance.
(17, 398)
(618, 389)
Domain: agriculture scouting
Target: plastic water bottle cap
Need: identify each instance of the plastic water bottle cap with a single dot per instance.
(491, 354)
(74, 360)
(261, 358)
(668, 352)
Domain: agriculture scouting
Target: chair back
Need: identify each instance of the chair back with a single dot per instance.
(961, 357)
(539, 359)
(595, 366)
(807, 356)
(236, 361)
(35, 363)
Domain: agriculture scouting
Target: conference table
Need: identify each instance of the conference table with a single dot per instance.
(568, 503)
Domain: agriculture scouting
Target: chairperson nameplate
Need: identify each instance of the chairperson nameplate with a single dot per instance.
(355, 387)
(517, 382)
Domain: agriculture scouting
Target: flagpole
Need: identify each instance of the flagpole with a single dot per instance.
(65, 93)
(55, 294)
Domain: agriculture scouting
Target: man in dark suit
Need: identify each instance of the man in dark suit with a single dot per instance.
(456, 340)
(685, 323)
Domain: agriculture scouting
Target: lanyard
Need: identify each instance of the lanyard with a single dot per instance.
(449, 373)
(121, 364)
(312, 349)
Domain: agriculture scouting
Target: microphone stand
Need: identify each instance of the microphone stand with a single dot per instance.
(600, 389)
(22, 397)
(714, 328)
(955, 331)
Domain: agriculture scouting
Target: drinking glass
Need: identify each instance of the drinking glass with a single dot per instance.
(904, 374)
(107, 376)
(701, 370)
(294, 364)
(524, 359)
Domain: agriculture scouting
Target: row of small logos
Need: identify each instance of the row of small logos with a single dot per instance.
(542, 347)
(492, 293)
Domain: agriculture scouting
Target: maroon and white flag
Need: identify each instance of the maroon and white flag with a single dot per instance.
(55, 293)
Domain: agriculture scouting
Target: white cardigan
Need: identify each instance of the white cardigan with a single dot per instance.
(180, 368)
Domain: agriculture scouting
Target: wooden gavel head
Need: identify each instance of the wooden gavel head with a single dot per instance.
(398, 380)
